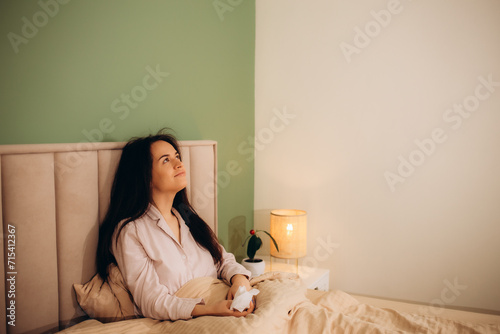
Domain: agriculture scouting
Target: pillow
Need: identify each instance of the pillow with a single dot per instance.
(106, 301)
(209, 289)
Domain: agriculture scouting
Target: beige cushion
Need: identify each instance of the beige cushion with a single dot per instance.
(106, 301)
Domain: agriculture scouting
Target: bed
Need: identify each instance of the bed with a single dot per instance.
(53, 197)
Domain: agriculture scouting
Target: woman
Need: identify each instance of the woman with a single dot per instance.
(156, 238)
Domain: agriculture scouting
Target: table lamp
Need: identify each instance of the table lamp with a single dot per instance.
(289, 229)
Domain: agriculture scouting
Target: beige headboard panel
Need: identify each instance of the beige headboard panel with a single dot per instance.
(53, 197)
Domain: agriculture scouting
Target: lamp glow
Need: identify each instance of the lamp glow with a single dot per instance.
(289, 229)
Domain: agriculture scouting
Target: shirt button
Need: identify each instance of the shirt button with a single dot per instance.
(183, 257)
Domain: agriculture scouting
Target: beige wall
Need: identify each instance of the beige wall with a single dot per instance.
(389, 140)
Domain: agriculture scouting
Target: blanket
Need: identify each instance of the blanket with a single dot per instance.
(284, 305)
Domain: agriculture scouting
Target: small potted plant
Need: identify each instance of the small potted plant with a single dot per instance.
(254, 265)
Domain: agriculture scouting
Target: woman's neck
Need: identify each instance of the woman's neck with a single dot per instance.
(163, 202)
(164, 205)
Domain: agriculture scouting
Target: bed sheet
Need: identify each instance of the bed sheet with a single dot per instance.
(284, 305)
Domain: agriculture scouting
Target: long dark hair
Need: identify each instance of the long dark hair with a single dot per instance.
(131, 195)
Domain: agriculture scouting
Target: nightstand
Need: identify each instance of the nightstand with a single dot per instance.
(314, 278)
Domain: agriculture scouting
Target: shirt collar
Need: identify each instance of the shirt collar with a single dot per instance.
(153, 213)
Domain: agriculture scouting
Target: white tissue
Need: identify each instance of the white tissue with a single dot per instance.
(242, 299)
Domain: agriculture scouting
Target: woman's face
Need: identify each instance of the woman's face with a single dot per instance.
(168, 173)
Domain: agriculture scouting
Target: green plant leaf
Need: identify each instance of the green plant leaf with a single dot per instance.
(274, 241)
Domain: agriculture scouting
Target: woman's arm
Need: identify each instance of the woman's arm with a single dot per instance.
(229, 268)
(219, 309)
(236, 275)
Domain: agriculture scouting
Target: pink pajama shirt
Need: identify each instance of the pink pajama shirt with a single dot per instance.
(154, 265)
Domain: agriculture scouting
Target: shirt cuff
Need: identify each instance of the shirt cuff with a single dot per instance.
(186, 310)
(236, 270)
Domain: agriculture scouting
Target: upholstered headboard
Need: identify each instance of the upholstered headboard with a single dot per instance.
(53, 197)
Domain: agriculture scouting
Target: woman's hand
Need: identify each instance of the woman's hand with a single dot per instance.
(219, 309)
(222, 308)
(237, 281)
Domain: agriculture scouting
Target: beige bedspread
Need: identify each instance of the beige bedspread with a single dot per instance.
(284, 305)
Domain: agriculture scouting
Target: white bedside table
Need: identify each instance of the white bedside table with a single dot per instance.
(314, 278)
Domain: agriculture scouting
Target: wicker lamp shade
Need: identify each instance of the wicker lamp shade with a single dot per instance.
(289, 229)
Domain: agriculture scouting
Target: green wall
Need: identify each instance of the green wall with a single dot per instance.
(74, 71)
